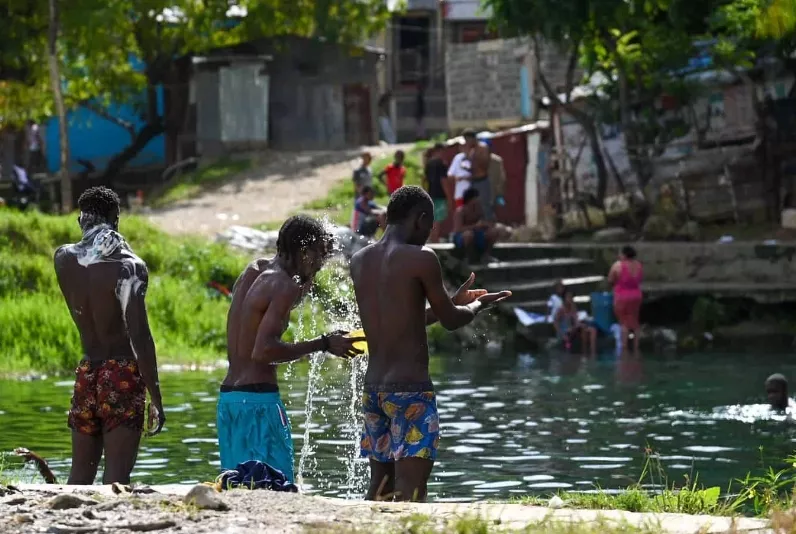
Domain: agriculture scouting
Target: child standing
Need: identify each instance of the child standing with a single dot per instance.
(362, 176)
(395, 172)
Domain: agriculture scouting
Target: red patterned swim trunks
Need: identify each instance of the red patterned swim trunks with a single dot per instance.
(107, 394)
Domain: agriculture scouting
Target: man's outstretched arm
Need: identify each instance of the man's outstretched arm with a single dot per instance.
(441, 305)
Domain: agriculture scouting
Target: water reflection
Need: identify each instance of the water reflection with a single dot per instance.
(512, 423)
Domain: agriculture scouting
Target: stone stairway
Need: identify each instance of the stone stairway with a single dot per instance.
(529, 270)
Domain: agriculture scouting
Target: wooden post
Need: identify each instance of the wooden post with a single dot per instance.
(58, 97)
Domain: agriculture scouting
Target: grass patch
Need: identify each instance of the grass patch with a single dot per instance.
(757, 495)
(192, 184)
(337, 205)
(188, 319)
(653, 493)
(636, 499)
(424, 524)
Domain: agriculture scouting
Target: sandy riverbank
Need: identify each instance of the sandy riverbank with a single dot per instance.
(99, 509)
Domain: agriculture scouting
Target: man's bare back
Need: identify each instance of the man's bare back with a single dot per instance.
(93, 289)
(392, 305)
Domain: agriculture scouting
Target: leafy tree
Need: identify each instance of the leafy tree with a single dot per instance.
(643, 49)
(746, 31)
(98, 39)
(564, 26)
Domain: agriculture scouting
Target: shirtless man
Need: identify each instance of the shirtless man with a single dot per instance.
(392, 281)
(104, 284)
(252, 421)
(479, 155)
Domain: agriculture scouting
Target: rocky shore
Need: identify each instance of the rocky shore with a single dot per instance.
(201, 509)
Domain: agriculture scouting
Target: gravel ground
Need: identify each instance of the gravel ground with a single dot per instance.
(248, 512)
(270, 192)
(77, 510)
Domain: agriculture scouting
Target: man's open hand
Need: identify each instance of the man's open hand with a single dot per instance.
(342, 346)
(465, 295)
(490, 299)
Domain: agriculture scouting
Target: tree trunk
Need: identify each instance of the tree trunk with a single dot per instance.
(599, 162)
(586, 120)
(120, 160)
(55, 81)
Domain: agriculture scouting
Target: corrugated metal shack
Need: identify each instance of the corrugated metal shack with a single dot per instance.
(288, 93)
(231, 95)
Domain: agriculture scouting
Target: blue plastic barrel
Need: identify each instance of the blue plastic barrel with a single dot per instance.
(602, 310)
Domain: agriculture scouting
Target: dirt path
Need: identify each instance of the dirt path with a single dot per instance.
(271, 192)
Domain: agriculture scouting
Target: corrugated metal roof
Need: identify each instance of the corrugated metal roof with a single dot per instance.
(525, 128)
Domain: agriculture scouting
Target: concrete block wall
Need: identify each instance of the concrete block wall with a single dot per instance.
(483, 82)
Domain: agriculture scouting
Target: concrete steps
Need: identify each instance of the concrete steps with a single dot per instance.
(540, 290)
(529, 271)
(583, 303)
(522, 271)
(517, 251)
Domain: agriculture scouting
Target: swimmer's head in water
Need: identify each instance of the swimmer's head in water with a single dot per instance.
(410, 207)
(98, 205)
(304, 244)
(777, 391)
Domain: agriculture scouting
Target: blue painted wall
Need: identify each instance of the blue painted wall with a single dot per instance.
(97, 140)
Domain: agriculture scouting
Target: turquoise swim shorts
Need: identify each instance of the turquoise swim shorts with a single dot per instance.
(254, 426)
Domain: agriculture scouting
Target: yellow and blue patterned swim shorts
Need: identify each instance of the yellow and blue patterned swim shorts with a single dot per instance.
(403, 424)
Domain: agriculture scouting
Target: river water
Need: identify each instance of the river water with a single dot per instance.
(512, 424)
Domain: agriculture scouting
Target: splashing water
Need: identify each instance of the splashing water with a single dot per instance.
(356, 470)
(307, 447)
(338, 301)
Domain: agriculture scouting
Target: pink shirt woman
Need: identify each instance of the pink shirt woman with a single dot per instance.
(626, 276)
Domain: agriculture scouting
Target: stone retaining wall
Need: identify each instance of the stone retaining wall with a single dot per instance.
(743, 263)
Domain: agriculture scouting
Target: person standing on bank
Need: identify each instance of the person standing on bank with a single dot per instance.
(626, 275)
(104, 284)
(436, 176)
(393, 280)
(252, 422)
(478, 153)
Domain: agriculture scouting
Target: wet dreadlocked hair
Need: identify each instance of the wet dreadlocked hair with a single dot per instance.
(299, 233)
(406, 200)
(98, 205)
